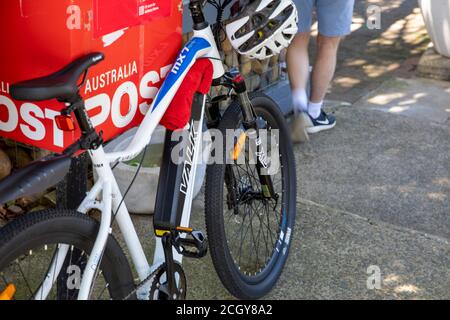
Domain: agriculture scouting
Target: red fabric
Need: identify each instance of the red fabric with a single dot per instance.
(198, 79)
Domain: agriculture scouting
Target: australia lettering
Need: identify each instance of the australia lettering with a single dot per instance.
(112, 76)
(4, 87)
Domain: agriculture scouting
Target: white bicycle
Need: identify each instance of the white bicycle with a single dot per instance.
(250, 213)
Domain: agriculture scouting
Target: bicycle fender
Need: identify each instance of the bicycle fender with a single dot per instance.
(34, 178)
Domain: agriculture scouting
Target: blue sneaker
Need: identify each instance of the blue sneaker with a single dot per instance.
(323, 122)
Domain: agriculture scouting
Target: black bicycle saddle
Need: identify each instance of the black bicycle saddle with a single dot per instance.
(61, 85)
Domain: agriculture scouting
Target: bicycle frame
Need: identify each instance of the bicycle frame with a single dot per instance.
(202, 45)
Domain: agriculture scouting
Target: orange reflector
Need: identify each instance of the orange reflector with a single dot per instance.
(65, 123)
(239, 146)
(183, 229)
(9, 292)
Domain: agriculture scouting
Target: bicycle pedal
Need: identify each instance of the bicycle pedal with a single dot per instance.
(195, 245)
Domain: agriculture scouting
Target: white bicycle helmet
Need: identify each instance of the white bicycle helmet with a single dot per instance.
(263, 28)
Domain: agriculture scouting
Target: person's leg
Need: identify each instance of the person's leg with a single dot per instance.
(297, 56)
(298, 69)
(335, 18)
(323, 71)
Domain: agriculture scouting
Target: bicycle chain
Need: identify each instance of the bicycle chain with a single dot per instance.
(143, 283)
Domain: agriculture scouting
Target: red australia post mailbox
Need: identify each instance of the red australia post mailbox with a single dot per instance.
(140, 39)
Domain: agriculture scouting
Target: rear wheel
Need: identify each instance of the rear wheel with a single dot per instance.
(30, 243)
(249, 234)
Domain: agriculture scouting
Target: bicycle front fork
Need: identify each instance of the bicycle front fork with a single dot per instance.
(252, 126)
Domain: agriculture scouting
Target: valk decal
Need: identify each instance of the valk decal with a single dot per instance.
(43, 36)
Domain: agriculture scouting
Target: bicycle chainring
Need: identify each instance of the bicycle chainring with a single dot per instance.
(159, 289)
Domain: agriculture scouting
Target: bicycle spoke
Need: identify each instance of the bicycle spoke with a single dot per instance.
(242, 242)
(254, 245)
(25, 279)
(260, 231)
(103, 291)
(239, 230)
(268, 252)
(257, 229)
(268, 225)
(264, 235)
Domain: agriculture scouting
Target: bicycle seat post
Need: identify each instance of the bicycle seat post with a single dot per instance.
(90, 139)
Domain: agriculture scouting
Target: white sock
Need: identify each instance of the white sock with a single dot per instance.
(300, 100)
(314, 109)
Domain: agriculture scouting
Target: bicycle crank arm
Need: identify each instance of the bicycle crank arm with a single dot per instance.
(167, 243)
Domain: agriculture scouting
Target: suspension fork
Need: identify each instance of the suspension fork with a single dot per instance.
(252, 127)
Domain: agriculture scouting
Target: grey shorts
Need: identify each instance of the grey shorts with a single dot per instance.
(334, 16)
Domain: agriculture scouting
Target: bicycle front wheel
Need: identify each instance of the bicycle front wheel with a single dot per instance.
(30, 244)
(249, 233)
